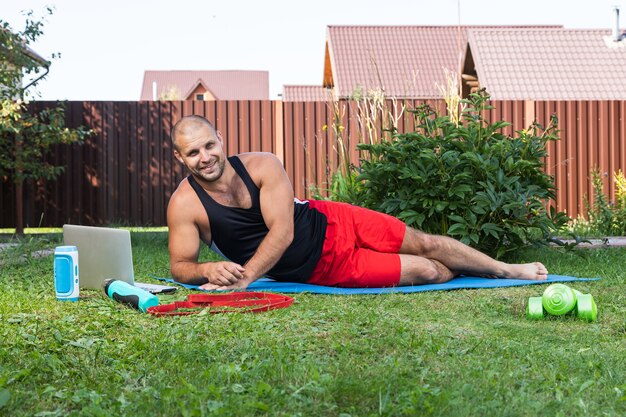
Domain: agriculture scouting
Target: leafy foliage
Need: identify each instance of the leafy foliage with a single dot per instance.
(27, 136)
(606, 217)
(469, 181)
(16, 60)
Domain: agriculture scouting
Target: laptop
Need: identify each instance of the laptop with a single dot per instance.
(105, 253)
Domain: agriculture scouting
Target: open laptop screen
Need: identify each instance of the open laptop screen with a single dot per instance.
(102, 253)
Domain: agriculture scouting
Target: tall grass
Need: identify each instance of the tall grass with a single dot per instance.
(450, 93)
(606, 214)
(377, 119)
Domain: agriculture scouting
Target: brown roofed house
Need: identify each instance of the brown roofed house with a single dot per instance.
(306, 93)
(546, 64)
(205, 85)
(401, 61)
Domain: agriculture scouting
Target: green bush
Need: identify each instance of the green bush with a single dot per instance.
(468, 181)
(606, 217)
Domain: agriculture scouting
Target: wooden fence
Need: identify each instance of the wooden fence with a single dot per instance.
(126, 173)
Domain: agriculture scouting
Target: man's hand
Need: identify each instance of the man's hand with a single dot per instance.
(241, 284)
(222, 274)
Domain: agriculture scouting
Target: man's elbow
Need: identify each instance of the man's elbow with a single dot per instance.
(287, 236)
(187, 273)
(282, 236)
(177, 273)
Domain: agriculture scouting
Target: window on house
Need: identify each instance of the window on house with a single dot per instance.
(199, 96)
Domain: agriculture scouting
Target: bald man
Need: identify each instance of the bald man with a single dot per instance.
(243, 206)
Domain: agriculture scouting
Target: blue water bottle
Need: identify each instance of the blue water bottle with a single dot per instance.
(128, 294)
(66, 273)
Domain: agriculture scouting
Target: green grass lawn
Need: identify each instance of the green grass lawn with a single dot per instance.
(457, 353)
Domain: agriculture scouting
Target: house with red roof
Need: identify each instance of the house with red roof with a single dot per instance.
(306, 93)
(401, 61)
(510, 62)
(546, 64)
(205, 85)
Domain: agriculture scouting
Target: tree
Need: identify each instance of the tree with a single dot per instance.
(27, 136)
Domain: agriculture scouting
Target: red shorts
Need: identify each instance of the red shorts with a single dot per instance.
(361, 247)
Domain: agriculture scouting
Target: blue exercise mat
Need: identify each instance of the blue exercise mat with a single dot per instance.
(463, 282)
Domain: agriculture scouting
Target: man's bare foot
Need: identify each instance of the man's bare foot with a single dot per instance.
(530, 271)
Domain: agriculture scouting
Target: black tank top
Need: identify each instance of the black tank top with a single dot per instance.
(238, 232)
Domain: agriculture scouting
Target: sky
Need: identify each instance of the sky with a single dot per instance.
(105, 46)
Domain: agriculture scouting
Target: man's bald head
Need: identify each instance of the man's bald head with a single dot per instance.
(188, 125)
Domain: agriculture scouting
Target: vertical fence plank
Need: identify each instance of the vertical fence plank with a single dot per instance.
(289, 141)
(529, 114)
(165, 162)
(319, 142)
(221, 123)
(162, 152)
(179, 170)
(352, 131)
(506, 114)
(254, 126)
(268, 136)
(311, 159)
(571, 151)
(544, 112)
(614, 143)
(144, 190)
(604, 145)
(582, 155)
(332, 145)
(234, 144)
(243, 126)
(278, 130)
(561, 163)
(109, 160)
(124, 165)
(622, 135)
(133, 161)
(299, 165)
(592, 143)
(100, 162)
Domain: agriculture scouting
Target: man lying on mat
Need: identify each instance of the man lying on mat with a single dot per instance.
(244, 207)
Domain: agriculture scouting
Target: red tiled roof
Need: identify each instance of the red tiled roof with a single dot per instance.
(306, 93)
(224, 85)
(407, 61)
(549, 64)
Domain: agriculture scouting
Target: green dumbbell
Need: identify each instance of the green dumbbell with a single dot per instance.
(586, 308)
(534, 309)
(559, 299)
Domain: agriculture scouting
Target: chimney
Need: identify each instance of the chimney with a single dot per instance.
(617, 34)
(154, 91)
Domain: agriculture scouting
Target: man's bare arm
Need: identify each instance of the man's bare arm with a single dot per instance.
(184, 247)
(277, 208)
